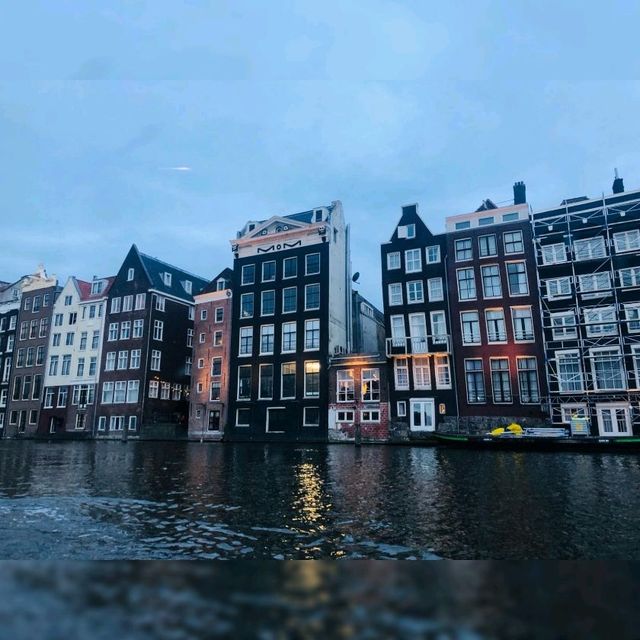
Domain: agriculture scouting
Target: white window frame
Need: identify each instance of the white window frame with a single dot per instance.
(393, 299)
(594, 247)
(569, 352)
(392, 256)
(413, 257)
(592, 362)
(625, 241)
(418, 287)
(432, 254)
(439, 296)
(471, 342)
(555, 253)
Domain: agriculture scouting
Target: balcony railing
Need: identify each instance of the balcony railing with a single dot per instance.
(419, 345)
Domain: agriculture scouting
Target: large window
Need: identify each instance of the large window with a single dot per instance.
(487, 246)
(491, 285)
(513, 242)
(311, 379)
(266, 339)
(312, 297)
(433, 254)
(595, 282)
(558, 288)
(269, 271)
(563, 326)
(569, 371)
(470, 321)
(496, 326)
(517, 278)
(311, 334)
(436, 290)
(246, 305)
(412, 260)
(632, 315)
(289, 299)
(156, 358)
(289, 334)
(371, 385)
(630, 277)
(401, 373)
(501, 380)
(464, 249)
(395, 294)
(268, 302)
(528, 380)
(421, 372)
(290, 267)
(443, 371)
(312, 264)
(244, 382)
(522, 319)
(393, 260)
(607, 367)
(466, 284)
(627, 240)
(398, 331)
(265, 387)
(246, 341)
(474, 377)
(438, 327)
(554, 253)
(288, 381)
(589, 248)
(248, 274)
(600, 322)
(418, 332)
(415, 292)
(345, 385)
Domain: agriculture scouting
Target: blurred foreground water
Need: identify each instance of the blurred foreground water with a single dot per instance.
(109, 500)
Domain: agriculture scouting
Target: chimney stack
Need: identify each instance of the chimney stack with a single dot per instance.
(618, 184)
(519, 193)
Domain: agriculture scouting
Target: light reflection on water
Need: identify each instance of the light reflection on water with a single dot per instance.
(173, 500)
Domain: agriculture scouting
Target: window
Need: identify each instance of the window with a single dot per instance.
(161, 304)
(464, 249)
(311, 379)
(219, 315)
(246, 341)
(487, 246)
(589, 248)
(123, 359)
(69, 339)
(83, 341)
(513, 242)
(554, 253)
(635, 350)
(93, 365)
(407, 231)
(433, 254)
(510, 217)
(268, 302)
(113, 331)
(484, 222)
(133, 423)
(125, 330)
(528, 380)
(415, 292)
(474, 379)
(465, 224)
(141, 300)
(438, 327)
(289, 335)
(600, 322)
(626, 241)
(401, 408)
(127, 303)
(517, 278)
(44, 326)
(289, 299)
(496, 327)
(412, 260)
(133, 389)
(115, 305)
(632, 315)
(311, 417)
(470, 321)
(345, 385)
(246, 305)
(66, 365)
(156, 357)
(288, 380)
(138, 328)
(73, 318)
(500, 380)
(107, 392)
(248, 274)
(266, 339)
(136, 355)
(189, 337)
(165, 390)
(311, 297)
(154, 388)
(80, 368)
(418, 333)
(167, 278)
(68, 301)
(398, 333)
(243, 417)
(268, 271)
(443, 371)
(401, 373)
(311, 334)
(244, 382)
(217, 338)
(203, 314)
(158, 329)
(630, 277)
(558, 288)
(110, 361)
(370, 415)
(214, 391)
(421, 373)
(265, 386)
(200, 363)
(607, 367)
(393, 260)
(130, 274)
(48, 398)
(290, 267)
(491, 285)
(522, 320)
(466, 284)
(436, 290)
(312, 264)
(595, 282)
(344, 416)
(569, 371)
(188, 365)
(395, 294)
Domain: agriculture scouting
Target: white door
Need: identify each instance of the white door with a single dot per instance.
(423, 415)
(614, 420)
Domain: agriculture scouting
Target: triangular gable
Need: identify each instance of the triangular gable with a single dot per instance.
(410, 216)
(286, 224)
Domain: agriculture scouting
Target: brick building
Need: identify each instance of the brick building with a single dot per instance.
(209, 397)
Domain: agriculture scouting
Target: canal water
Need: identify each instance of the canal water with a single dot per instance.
(110, 500)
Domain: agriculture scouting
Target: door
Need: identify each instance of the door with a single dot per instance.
(423, 415)
(614, 420)
(214, 420)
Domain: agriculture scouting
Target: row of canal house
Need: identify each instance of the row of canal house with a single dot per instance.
(506, 316)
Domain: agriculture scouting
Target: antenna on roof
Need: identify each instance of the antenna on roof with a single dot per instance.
(615, 172)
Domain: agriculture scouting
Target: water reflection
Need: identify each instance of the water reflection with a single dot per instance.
(168, 500)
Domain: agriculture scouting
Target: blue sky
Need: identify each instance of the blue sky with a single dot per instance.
(276, 107)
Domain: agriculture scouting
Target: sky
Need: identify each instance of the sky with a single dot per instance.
(170, 124)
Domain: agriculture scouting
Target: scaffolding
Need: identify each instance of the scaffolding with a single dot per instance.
(608, 362)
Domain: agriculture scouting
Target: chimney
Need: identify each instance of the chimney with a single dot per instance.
(618, 185)
(519, 193)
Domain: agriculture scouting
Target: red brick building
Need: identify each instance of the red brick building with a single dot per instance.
(209, 397)
(358, 397)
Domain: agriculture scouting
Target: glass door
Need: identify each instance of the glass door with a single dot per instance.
(423, 416)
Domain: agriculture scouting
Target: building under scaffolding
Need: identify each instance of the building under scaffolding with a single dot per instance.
(588, 258)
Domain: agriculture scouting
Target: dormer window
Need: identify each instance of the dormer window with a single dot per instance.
(317, 215)
(407, 231)
(188, 286)
(96, 287)
(166, 276)
(130, 274)
(220, 285)
(463, 225)
(251, 226)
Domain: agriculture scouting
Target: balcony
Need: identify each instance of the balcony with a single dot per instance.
(418, 346)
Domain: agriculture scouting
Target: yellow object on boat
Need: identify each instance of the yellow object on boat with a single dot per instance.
(515, 428)
(497, 432)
